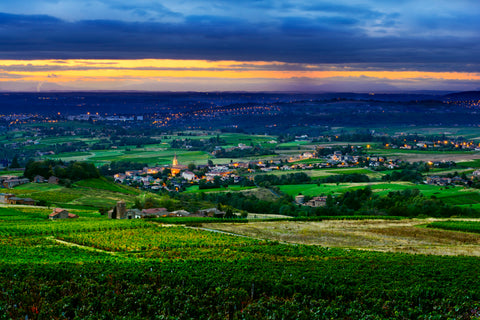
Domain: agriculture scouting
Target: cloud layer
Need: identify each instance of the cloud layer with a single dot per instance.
(397, 34)
(292, 45)
(205, 75)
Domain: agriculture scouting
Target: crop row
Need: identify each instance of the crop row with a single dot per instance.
(319, 287)
(42, 250)
(155, 239)
(465, 226)
(69, 226)
(22, 213)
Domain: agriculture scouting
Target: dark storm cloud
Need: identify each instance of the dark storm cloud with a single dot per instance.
(340, 37)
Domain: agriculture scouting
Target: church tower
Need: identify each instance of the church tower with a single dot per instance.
(176, 168)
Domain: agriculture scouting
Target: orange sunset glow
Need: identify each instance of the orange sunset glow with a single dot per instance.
(85, 72)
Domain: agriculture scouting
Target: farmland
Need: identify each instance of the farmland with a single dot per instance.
(406, 235)
(383, 245)
(86, 193)
(91, 267)
(380, 187)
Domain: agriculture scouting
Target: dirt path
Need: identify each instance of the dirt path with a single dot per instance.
(73, 244)
(379, 235)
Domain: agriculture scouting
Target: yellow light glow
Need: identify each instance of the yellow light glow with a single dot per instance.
(60, 71)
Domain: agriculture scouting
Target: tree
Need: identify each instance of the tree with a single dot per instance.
(149, 203)
(229, 214)
(15, 163)
(138, 204)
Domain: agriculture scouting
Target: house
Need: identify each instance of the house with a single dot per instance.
(317, 202)
(458, 180)
(120, 177)
(300, 199)
(134, 214)
(38, 179)
(59, 213)
(336, 155)
(26, 201)
(239, 165)
(53, 180)
(14, 182)
(307, 155)
(218, 171)
(5, 196)
(153, 170)
(132, 173)
(187, 175)
(14, 200)
(130, 215)
(211, 212)
(147, 180)
(441, 181)
(157, 212)
(181, 213)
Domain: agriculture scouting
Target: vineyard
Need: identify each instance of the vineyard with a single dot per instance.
(104, 269)
(66, 226)
(155, 238)
(465, 226)
(90, 193)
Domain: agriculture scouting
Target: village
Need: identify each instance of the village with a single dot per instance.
(178, 177)
(120, 211)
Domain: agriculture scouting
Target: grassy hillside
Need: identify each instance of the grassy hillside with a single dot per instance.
(92, 193)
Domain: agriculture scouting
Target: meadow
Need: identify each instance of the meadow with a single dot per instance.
(92, 193)
(195, 189)
(426, 155)
(455, 195)
(149, 155)
(157, 154)
(322, 173)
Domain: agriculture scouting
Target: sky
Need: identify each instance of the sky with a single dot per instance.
(249, 45)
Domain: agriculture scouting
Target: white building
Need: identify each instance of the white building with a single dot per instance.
(187, 175)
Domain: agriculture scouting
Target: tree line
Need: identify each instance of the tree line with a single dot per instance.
(73, 171)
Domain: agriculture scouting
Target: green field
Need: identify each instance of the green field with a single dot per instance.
(451, 195)
(236, 138)
(99, 268)
(195, 189)
(469, 164)
(104, 184)
(463, 226)
(321, 173)
(11, 173)
(293, 144)
(93, 193)
(467, 132)
(150, 156)
(158, 154)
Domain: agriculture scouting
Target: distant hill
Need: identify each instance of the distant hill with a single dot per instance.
(462, 96)
(164, 102)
